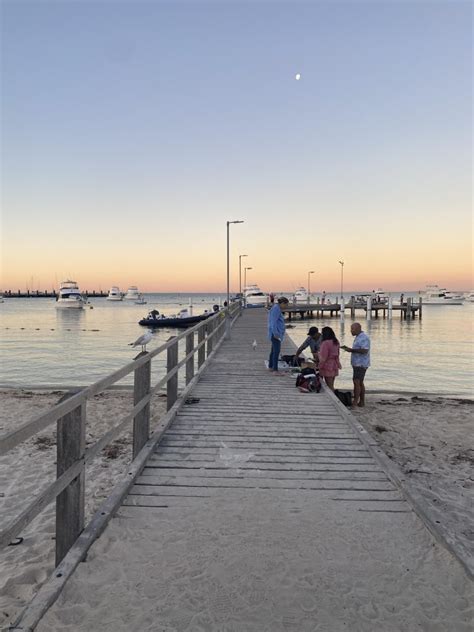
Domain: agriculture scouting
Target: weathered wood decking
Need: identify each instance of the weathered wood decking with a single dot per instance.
(262, 509)
(251, 430)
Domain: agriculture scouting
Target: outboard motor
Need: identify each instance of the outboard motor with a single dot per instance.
(215, 308)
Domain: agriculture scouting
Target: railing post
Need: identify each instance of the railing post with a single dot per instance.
(202, 348)
(190, 362)
(209, 329)
(141, 421)
(172, 384)
(71, 442)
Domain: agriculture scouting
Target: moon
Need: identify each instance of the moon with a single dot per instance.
(297, 76)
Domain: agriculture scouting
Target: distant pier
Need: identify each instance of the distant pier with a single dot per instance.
(48, 294)
(408, 309)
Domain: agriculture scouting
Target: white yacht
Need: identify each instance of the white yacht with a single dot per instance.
(435, 295)
(301, 295)
(114, 294)
(254, 297)
(69, 296)
(469, 297)
(132, 294)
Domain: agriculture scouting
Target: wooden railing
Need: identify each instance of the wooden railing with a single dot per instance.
(70, 416)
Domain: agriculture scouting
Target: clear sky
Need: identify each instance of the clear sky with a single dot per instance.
(131, 131)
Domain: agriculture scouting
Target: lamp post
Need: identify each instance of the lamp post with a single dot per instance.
(240, 274)
(237, 221)
(309, 286)
(245, 276)
(342, 278)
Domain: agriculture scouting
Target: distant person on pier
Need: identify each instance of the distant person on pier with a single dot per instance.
(360, 360)
(313, 341)
(329, 364)
(276, 332)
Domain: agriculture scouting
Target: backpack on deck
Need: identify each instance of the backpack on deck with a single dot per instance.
(308, 380)
(292, 360)
(344, 396)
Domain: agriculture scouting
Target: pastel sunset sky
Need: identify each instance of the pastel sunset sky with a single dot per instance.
(132, 131)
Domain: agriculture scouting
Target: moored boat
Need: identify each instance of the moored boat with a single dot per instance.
(182, 319)
(69, 296)
(114, 294)
(301, 295)
(435, 295)
(254, 297)
(132, 294)
(140, 300)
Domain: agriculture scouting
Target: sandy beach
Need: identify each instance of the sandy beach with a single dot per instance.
(427, 437)
(32, 466)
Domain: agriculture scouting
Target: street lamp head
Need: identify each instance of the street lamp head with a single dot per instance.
(236, 221)
(341, 262)
(311, 272)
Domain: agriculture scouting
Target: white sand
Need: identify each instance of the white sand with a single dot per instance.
(230, 578)
(32, 466)
(432, 440)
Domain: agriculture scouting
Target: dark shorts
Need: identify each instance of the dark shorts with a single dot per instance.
(358, 373)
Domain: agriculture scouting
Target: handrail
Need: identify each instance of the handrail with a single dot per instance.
(75, 402)
(10, 440)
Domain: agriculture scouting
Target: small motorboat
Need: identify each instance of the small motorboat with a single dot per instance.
(140, 300)
(183, 319)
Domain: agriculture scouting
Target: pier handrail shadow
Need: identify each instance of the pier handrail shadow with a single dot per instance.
(70, 414)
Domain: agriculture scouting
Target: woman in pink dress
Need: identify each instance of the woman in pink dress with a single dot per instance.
(329, 364)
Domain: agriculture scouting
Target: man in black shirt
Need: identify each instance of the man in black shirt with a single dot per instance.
(313, 341)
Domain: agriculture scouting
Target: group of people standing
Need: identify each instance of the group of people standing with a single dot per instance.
(325, 350)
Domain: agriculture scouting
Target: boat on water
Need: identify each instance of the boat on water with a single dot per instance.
(254, 297)
(114, 294)
(301, 295)
(469, 297)
(435, 295)
(69, 296)
(184, 318)
(140, 300)
(132, 294)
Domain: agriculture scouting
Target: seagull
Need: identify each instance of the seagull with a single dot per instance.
(254, 345)
(142, 341)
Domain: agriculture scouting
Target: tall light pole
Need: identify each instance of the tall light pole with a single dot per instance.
(237, 221)
(309, 286)
(342, 278)
(245, 276)
(240, 273)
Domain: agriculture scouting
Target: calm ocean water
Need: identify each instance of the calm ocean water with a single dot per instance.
(40, 345)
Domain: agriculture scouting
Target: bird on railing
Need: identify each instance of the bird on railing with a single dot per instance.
(142, 341)
(254, 345)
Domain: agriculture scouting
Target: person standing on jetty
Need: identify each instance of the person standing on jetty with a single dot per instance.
(360, 360)
(276, 332)
(329, 364)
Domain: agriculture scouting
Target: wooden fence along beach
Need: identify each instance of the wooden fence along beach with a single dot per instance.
(253, 476)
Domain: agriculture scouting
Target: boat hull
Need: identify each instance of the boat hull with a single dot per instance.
(173, 322)
(436, 304)
(64, 305)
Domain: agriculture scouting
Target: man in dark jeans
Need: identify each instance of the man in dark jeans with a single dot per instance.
(276, 332)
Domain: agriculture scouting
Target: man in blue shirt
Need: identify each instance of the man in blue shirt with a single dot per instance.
(360, 360)
(276, 332)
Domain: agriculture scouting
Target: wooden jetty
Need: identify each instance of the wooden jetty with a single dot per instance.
(409, 309)
(246, 448)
